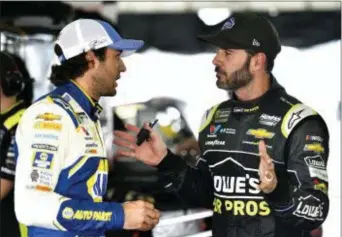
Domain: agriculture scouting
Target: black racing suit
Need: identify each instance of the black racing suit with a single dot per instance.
(8, 125)
(226, 174)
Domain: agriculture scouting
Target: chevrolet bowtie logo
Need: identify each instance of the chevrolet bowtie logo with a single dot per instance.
(48, 116)
(260, 133)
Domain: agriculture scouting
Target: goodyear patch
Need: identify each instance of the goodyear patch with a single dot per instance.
(42, 160)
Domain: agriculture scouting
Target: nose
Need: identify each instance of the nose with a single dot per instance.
(122, 66)
(216, 61)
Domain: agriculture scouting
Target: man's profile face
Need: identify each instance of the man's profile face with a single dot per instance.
(232, 69)
(109, 72)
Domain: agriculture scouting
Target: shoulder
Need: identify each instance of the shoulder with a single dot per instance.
(296, 113)
(12, 121)
(51, 106)
(44, 113)
(208, 116)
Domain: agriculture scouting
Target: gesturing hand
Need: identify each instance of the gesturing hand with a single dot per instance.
(268, 178)
(151, 152)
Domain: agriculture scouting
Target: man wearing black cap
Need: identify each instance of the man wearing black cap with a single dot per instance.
(264, 153)
(13, 88)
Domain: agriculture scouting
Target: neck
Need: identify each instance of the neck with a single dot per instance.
(86, 85)
(7, 103)
(255, 89)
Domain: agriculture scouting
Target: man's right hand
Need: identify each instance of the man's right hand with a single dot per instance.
(150, 152)
(140, 215)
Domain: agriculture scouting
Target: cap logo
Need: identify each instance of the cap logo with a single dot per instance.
(228, 24)
(255, 43)
(95, 43)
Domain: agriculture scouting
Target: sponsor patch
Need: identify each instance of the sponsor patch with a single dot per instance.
(222, 115)
(254, 143)
(313, 138)
(42, 160)
(215, 143)
(49, 116)
(269, 120)
(67, 213)
(41, 180)
(319, 173)
(48, 126)
(44, 147)
(310, 208)
(315, 162)
(320, 186)
(245, 110)
(260, 133)
(46, 136)
(93, 145)
(315, 147)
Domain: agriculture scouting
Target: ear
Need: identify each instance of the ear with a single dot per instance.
(258, 62)
(92, 60)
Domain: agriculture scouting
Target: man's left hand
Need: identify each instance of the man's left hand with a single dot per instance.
(268, 178)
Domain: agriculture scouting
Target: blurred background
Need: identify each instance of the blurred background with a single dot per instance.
(172, 79)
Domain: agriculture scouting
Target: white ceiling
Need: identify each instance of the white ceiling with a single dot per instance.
(110, 10)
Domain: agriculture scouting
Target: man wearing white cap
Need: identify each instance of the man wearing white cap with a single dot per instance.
(62, 170)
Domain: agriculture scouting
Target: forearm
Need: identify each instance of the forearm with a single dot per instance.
(305, 209)
(53, 211)
(192, 185)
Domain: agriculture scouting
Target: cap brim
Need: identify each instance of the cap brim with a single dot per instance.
(220, 41)
(127, 46)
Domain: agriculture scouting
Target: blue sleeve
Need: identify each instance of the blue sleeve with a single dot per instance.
(77, 215)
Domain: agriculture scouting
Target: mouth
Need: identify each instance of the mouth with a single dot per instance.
(219, 76)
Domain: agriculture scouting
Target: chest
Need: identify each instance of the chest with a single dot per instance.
(90, 136)
(230, 141)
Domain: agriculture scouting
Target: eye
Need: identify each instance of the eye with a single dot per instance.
(228, 53)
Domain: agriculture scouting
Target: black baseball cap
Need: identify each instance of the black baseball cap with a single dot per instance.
(246, 31)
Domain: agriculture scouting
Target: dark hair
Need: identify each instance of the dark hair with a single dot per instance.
(73, 67)
(269, 60)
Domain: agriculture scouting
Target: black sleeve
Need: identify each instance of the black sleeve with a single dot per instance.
(7, 170)
(304, 203)
(193, 185)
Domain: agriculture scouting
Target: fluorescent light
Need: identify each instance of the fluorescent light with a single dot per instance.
(213, 16)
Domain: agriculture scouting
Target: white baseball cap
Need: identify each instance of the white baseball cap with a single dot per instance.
(86, 34)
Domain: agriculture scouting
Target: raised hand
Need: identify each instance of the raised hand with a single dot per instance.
(268, 178)
(151, 152)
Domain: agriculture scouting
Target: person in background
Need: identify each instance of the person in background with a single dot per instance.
(16, 93)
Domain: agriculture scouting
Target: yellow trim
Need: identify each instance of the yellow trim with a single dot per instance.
(102, 167)
(23, 230)
(286, 118)
(58, 226)
(10, 108)
(77, 166)
(85, 93)
(13, 120)
(210, 116)
(49, 99)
